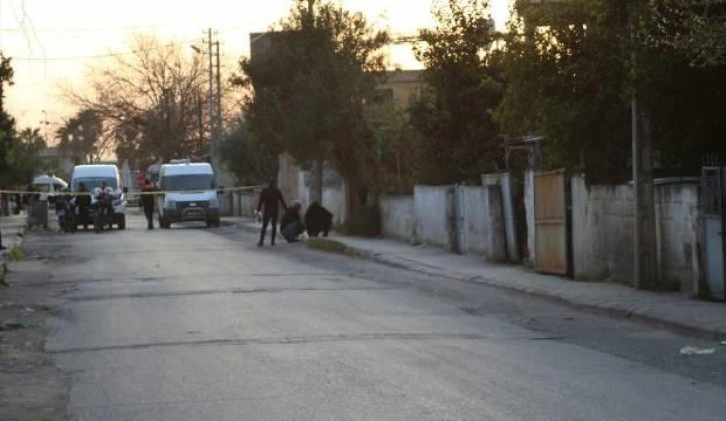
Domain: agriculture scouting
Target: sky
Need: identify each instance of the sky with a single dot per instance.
(54, 42)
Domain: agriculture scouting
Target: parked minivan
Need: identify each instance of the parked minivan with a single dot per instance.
(93, 176)
(188, 193)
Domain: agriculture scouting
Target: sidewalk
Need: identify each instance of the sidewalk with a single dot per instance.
(10, 227)
(671, 309)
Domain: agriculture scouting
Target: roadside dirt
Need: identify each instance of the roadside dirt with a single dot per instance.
(31, 386)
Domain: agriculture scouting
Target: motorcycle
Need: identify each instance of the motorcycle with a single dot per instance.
(103, 210)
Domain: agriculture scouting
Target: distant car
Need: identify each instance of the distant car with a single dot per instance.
(188, 194)
(92, 177)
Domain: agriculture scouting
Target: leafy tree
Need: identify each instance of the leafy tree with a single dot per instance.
(24, 154)
(149, 102)
(394, 140)
(246, 156)
(457, 137)
(310, 86)
(82, 137)
(695, 28)
(571, 69)
(7, 123)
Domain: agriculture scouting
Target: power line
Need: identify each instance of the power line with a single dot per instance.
(73, 57)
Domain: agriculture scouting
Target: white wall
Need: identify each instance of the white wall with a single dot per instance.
(295, 184)
(334, 193)
(484, 232)
(603, 229)
(434, 215)
(504, 182)
(398, 218)
(529, 209)
(677, 232)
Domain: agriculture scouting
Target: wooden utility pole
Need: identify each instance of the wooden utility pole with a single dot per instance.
(211, 96)
(644, 245)
(219, 93)
(318, 167)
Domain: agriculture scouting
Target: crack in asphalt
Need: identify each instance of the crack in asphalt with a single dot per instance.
(217, 292)
(302, 340)
(323, 276)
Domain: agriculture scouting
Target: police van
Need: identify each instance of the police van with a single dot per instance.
(188, 193)
(92, 177)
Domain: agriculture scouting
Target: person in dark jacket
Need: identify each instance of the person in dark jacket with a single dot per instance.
(147, 202)
(83, 204)
(291, 225)
(318, 220)
(270, 199)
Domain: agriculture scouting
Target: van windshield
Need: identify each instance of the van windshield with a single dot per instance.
(188, 182)
(92, 182)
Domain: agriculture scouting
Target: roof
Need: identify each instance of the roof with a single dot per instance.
(187, 168)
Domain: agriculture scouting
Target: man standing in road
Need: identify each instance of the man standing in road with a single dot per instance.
(270, 198)
(147, 202)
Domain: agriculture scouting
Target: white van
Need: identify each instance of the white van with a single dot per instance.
(188, 194)
(92, 177)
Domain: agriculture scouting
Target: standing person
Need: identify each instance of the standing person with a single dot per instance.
(83, 204)
(147, 202)
(270, 199)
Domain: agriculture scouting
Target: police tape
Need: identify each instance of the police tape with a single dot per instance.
(136, 192)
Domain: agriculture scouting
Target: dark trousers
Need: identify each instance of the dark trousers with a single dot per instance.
(149, 212)
(268, 218)
(291, 231)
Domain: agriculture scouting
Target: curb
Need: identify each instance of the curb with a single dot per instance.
(609, 310)
(602, 308)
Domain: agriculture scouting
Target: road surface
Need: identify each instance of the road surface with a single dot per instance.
(199, 324)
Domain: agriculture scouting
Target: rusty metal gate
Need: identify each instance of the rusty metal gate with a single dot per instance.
(550, 218)
(713, 202)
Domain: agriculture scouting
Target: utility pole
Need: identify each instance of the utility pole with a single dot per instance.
(644, 245)
(219, 95)
(318, 168)
(212, 131)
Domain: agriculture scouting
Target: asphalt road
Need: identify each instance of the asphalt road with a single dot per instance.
(200, 324)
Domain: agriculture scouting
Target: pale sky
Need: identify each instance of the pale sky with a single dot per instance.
(52, 41)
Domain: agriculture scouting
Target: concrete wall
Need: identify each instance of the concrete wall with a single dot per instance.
(677, 232)
(483, 223)
(466, 219)
(504, 182)
(603, 227)
(238, 203)
(334, 193)
(398, 218)
(434, 211)
(296, 184)
(529, 208)
(602, 231)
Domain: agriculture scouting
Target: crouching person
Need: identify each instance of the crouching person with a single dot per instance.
(318, 220)
(291, 225)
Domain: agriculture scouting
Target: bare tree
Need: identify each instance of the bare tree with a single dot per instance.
(151, 102)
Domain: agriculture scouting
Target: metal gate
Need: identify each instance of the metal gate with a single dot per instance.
(714, 211)
(550, 221)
